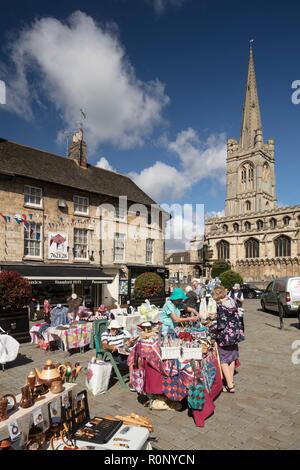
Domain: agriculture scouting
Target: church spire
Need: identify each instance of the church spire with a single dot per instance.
(251, 115)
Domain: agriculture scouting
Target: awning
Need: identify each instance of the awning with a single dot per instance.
(60, 273)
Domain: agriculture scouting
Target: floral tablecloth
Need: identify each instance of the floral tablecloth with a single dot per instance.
(75, 337)
(36, 336)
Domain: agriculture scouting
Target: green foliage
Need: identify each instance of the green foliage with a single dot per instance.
(219, 267)
(229, 278)
(148, 285)
(15, 291)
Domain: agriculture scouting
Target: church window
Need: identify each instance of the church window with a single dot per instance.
(247, 226)
(260, 225)
(251, 174)
(244, 175)
(286, 220)
(225, 228)
(236, 228)
(223, 248)
(252, 248)
(273, 223)
(282, 246)
(248, 206)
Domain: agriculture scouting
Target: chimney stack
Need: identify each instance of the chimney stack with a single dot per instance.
(77, 149)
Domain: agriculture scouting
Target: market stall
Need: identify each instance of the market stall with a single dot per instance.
(182, 368)
(51, 414)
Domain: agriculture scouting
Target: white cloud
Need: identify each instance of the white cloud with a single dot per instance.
(104, 163)
(160, 6)
(198, 160)
(81, 64)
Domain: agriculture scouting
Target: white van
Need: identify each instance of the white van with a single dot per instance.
(283, 293)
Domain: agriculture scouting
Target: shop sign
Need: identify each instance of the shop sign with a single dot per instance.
(58, 246)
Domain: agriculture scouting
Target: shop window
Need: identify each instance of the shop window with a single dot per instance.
(33, 196)
(282, 246)
(81, 205)
(149, 250)
(119, 247)
(32, 240)
(286, 220)
(252, 248)
(80, 243)
(223, 248)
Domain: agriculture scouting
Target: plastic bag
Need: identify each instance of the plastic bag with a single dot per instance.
(98, 377)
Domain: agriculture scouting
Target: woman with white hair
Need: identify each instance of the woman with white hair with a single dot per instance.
(192, 298)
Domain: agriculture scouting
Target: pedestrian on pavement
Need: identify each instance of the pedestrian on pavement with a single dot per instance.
(229, 334)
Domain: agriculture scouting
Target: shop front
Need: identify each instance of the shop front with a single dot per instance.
(127, 283)
(57, 283)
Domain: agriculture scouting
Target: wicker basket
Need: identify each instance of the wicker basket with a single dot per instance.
(191, 353)
(170, 352)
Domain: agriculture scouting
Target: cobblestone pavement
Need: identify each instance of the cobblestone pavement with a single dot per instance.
(263, 414)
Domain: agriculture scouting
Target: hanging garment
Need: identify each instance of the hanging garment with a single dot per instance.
(203, 309)
(59, 316)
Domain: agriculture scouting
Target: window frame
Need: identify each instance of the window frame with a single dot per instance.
(252, 248)
(33, 204)
(79, 212)
(148, 251)
(81, 258)
(120, 236)
(285, 249)
(35, 241)
(223, 248)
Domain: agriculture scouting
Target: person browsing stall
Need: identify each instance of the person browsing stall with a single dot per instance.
(171, 316)
(114, 337)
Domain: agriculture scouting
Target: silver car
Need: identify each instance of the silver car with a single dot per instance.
(282, 296)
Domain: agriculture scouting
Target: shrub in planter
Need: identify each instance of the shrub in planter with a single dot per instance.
(229, 278)
(148, 285)
(219, 267)
(15, 291)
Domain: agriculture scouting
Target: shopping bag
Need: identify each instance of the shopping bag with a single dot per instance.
(173, 386)
(98, 376)
(196, 396)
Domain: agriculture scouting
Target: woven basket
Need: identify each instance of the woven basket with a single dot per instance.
(170, 352)
(191, 353)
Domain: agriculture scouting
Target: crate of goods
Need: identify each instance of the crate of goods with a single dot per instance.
(170, 352)
(191, 353)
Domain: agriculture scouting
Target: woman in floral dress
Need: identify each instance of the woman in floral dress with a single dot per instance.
(229, 335)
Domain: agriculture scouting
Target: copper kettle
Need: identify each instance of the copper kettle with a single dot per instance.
(50, 373)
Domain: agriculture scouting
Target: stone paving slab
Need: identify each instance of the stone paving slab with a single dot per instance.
(263, 414)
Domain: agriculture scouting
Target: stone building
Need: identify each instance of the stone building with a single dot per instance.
(260, 239)
(183, 267)
(71, 227)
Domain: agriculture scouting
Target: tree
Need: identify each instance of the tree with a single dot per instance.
(15, 291)
(148, 285)
(219, 267)
(229, 278)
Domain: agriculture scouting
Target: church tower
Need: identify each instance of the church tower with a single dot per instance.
(250, 162)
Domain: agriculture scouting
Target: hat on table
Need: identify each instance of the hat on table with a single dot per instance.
(178, 294)
(115, 325)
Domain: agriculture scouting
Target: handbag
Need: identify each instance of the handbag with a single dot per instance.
(173, 386)
(138, 374)
(196, 397)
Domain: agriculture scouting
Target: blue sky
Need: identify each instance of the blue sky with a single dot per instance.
(182, 73)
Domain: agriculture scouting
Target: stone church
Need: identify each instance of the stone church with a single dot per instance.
(260, 239)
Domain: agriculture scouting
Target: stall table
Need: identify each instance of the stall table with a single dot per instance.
(69, 337)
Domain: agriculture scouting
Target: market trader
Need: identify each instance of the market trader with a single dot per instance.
(171, 316)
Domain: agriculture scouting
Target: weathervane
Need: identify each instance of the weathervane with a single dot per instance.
(251, 42)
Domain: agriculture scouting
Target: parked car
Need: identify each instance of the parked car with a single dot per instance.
(251, 292)
(282, 296)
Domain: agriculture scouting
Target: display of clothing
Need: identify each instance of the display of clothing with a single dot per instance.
(58, 316)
